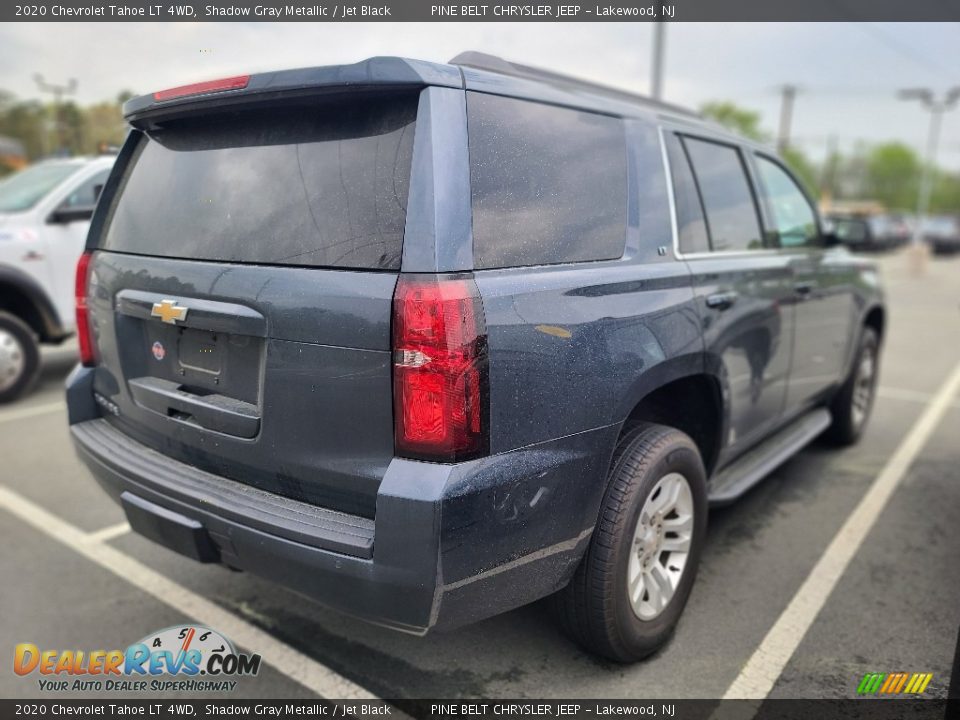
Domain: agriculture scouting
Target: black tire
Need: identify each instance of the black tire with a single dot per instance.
(850, 417)
(19, 357)
(595, 609)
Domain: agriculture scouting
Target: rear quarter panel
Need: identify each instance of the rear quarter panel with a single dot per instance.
(574, 347)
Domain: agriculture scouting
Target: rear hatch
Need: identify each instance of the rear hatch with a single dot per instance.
(240, 292)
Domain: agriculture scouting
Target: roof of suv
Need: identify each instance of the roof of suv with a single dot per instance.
(469, 70)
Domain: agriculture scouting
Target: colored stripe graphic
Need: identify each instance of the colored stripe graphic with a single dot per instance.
(898, 683)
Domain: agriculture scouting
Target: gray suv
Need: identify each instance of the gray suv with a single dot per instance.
(428, 342)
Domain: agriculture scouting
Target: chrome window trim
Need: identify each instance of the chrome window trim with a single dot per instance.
(671, 200)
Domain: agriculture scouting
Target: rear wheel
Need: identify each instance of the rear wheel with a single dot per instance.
(629, 591)
(854, 401)
(19, 357)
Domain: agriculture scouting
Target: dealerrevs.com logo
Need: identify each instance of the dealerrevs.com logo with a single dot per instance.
(179, 658)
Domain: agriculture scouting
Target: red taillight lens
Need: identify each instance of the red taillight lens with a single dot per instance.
(203, 88)
(439, 369)
(81, 286)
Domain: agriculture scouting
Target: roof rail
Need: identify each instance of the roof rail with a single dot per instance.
(492, 63)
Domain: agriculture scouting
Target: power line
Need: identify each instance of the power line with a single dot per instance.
(905, 50)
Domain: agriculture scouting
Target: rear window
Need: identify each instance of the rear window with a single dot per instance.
(548, 184)
(305, 185)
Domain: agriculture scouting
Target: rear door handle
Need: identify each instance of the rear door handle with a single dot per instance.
(804, 287)
(721, 301)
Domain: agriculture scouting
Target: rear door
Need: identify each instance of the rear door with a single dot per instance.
(241, 292)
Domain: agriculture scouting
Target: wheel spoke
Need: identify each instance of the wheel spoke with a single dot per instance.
(675, 545)
(664, 590)
(680, 524)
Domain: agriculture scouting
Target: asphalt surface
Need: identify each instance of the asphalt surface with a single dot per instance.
(895, 608)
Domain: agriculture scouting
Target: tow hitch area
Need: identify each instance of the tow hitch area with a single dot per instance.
(179, 533)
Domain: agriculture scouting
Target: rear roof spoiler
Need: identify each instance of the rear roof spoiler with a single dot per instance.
(387, 72)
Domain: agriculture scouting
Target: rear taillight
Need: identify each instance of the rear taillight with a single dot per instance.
(82, 287)
(439, 369)
(237, 82)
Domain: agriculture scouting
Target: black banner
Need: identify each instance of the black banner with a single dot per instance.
(423, 11)
(157, 709)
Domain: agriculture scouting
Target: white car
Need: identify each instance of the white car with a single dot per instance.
(45, 213)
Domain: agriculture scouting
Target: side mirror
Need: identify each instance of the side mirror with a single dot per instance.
(67, 215)
(830, 240)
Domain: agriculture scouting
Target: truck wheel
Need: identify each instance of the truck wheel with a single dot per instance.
(626, 597)
(19, 357)
(853, 402)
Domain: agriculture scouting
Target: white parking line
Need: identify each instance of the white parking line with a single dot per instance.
(914, 396)
(108, 533)
(21, 413)
(286, 659)
(765, 666)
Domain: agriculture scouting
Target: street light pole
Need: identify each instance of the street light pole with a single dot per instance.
(936, 108)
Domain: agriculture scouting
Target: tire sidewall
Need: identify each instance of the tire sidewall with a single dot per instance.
(849, 430)
(645, 636)
(31, 352)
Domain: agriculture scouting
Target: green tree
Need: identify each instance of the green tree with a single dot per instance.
(892, 171)
(104, 126)
(735, 118)
(945, 195)
(26, 122)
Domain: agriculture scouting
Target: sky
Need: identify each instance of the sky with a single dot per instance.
(847, 73)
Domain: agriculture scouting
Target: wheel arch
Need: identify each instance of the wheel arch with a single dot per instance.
(876, 318)
(23, 296)
(685, 397)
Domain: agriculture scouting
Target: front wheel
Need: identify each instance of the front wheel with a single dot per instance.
(628, 593)
(854, 401)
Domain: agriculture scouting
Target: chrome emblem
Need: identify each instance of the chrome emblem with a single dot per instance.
(169, 312)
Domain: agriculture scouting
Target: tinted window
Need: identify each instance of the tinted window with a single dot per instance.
(691, 229)
(794, 220)
(87, 194)
(311, 185)
(549, 185)
(731, 213)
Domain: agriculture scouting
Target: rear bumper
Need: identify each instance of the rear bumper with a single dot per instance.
(451, 544)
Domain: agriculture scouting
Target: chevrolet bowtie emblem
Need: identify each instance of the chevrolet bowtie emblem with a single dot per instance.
(169, 311)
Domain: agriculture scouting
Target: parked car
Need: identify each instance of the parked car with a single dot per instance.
(942, 234)
(428, 342)
(870, 233)
(45, 212)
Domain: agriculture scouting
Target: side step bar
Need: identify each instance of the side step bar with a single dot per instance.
(734, 480)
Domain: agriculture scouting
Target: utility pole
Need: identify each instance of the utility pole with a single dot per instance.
(787, 95)
(936, 109)
(656, 65)
(58, 92)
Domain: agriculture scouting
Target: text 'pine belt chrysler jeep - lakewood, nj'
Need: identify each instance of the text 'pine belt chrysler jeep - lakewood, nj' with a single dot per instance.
(428, 342)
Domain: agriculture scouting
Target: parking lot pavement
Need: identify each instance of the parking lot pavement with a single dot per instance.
(894, 607)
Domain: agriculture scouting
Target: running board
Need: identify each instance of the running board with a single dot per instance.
(752, 467)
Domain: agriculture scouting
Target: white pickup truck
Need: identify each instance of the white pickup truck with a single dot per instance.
(45, 213)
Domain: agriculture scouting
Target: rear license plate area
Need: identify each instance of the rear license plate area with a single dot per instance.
(200, 351)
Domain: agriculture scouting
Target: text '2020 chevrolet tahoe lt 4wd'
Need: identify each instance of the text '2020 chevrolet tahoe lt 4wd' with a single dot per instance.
(429, 342)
